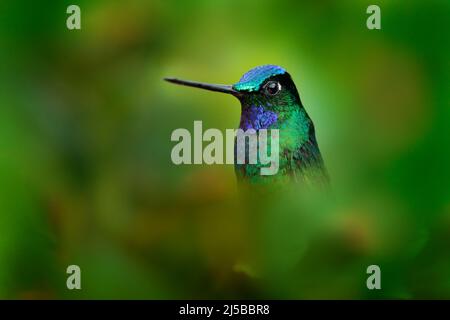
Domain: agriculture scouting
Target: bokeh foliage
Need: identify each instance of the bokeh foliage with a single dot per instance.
(85, 170)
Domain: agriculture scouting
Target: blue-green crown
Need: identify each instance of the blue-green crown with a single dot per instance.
(252, 80)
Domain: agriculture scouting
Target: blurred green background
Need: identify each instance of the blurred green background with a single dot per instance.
(85, 170)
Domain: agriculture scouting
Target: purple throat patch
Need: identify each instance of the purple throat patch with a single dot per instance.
(256, 117)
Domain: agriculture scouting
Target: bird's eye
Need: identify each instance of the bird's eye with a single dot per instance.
(272, 88)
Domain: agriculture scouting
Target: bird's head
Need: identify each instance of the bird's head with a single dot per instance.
(268, 86)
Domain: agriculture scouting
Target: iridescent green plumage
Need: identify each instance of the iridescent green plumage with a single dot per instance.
(269, 100)
(299, 156)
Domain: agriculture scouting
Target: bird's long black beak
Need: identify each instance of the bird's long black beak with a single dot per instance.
(207, 86)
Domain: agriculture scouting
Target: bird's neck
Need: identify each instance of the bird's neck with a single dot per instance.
(257, 117)
(294, 123)
(295, 128)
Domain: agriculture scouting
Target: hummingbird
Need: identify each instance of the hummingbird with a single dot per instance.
(270, 100)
